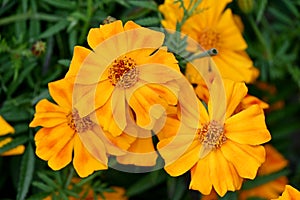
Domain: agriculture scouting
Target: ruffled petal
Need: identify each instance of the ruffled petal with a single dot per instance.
(180, 154)
(48, 115)
(97, 35)
(200, 177)
(61, 91)
(50, 141)
(84, 163)
(63, 157)
(248, 127)
(245, 158)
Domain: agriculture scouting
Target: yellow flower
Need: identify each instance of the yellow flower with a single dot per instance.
(222, 152)
(114, 75)
(289, 193)
(214, 27)
(63, 133)
(274, 162)
(5, 129)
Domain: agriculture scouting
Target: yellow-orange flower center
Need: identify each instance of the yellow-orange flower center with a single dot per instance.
(212, 135)
(77, 123)
(123, 72)
(209, 38)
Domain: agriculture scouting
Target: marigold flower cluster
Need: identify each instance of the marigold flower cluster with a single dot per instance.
(127, 88)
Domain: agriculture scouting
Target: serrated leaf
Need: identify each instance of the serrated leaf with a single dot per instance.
(149, 181)
(26, 172)
(54, 29)
(151, 5)
(14, 143)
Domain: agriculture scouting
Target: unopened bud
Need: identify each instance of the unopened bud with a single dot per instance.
(109, 20)
(38, 48)
(246, 6)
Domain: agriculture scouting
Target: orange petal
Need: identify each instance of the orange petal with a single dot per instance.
(5, 127)
(63, 157)
(79, 55)
(61, 91)
(230, 36)
(48, 115)
(50, 141)
(14, 151)
(200, 177)
(140, 153)
(84, 163)
(98, 35)
(248, 127)
(220, 167)
(94, 144)
(245, 158)
(179, 153)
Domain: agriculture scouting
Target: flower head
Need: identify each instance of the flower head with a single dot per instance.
(5, 129)
(290, 193)
(221, 148)
(63, 132)
(213, 26)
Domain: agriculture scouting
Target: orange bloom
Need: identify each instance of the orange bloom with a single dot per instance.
(5, 129)
(121, 78)
(289, 193)
(223, 152)
(274, 162)
(214, 27)
(64, 131)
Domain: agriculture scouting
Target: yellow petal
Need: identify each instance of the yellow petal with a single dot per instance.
(5, 127)
(84, 163)
(248, 127)
(179, 153)
(220, 167)
(63, 157)
(48, 115)
(230, 36)
(98, 35)
(61, 91)
(200, 177)
(93, 141)
(79, 55)
(14, 151)
(140, 153)
(245, 158)
(50, 141)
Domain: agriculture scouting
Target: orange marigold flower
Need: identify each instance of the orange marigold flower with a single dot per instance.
(274, 162)
(63, 132)
(5, 129)
(116, 71)
(289, 193)
(214, 27)
(230, 148)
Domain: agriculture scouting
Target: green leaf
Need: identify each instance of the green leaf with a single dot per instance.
(149, 181)
(54, 29)
(151, 5)
(176, 188)
(148, 21)
(61, 4)
(49, 181)
(26, 172)
(262, 4)
(260, 180)
(14, 143)
(42, 186)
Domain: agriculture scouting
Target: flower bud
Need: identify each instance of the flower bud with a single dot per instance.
(246, 6)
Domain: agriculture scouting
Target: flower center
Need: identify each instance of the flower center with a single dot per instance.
(209, 39)
(212, 135)
(123, 72)
(77, 123)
